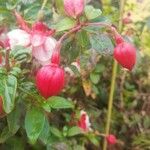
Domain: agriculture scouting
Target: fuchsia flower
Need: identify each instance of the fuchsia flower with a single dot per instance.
(84, 122)
(50, 78)
(39, 37)
(111, 139)
(74, 8)
(124, 53)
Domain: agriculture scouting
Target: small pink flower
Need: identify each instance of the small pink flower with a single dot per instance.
(84, 122)
(74, 8)
(111, 139)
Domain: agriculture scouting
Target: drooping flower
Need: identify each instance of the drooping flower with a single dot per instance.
(39, 37)
(84, 122)
(74, 8)
(125, 54)
(111, 139)
(50, 80)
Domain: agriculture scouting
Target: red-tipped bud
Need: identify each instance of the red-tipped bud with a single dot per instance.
(125, 54)
(50, 80)
(74, 8)
(111, 139)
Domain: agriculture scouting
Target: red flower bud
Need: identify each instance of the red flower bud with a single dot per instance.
(111, 139)
(74, 8)
(50, 80)
(125, 54)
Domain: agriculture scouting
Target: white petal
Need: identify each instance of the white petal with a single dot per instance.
(44, 52)
(37, 39)
(18, 37)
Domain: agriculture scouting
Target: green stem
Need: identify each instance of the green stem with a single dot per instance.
(113, 80)
(110, 103)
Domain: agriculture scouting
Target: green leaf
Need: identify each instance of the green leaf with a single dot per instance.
(94, 78)
(91, 12)
(13, 120)
(57, 102)
(65, 24)
(56, 132)
(34, 123)
(21, 53)
(101, 43)
(83, 39)
(45, 133)
(9, 93)
(74, 131)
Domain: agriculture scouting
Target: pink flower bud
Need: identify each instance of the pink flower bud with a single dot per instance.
(50, 80)
(74, 8)
(125, 54)
(111, 139)
(84, 122)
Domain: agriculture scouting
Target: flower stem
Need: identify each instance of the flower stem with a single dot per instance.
(113, 80)
(75, 29)
(110, 102)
